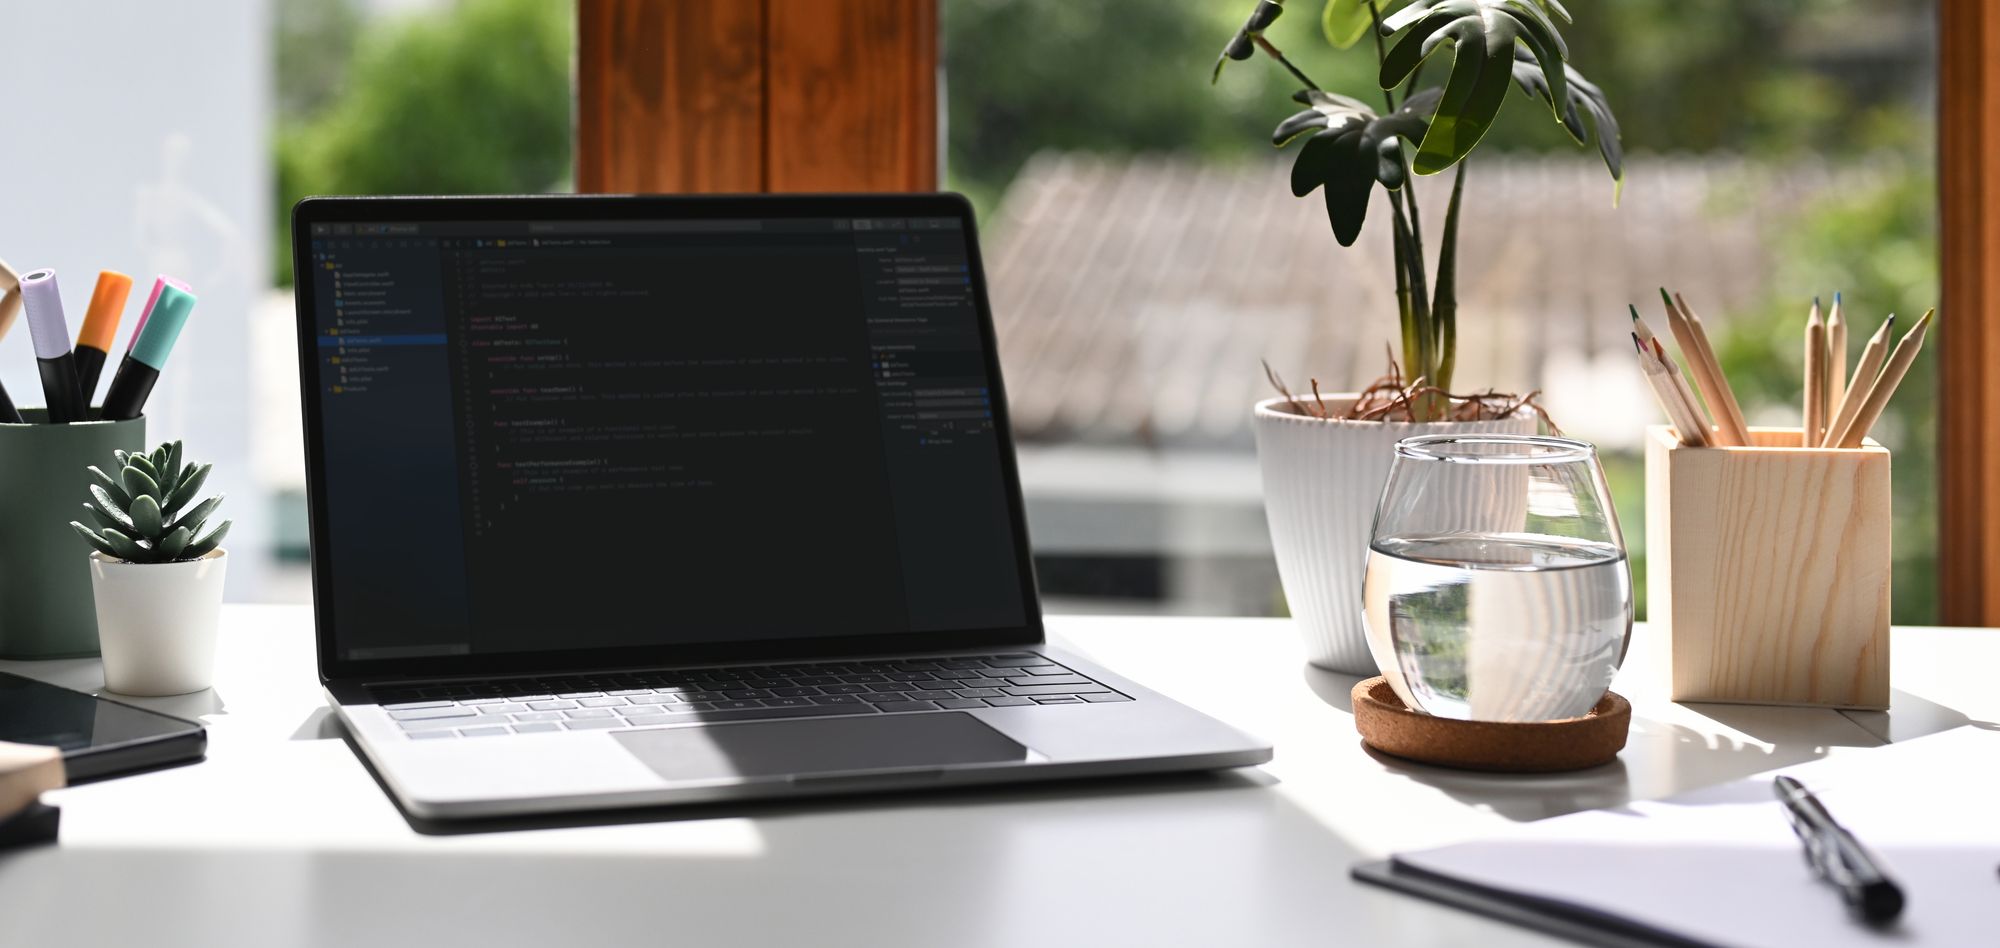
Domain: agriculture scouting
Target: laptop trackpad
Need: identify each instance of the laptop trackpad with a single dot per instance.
(819, 745)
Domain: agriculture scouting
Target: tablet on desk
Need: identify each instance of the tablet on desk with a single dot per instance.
(99, 737)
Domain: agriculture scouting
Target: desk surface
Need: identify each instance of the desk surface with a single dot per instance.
(282, 838)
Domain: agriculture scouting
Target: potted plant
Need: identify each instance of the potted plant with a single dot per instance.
(156, 572)
(1324, 456)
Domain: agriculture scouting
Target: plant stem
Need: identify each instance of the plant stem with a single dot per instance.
(1381, 53)
(1420, 359)
(1445, 307)
(1298, 74)
(1406, 314)
(1410, 232)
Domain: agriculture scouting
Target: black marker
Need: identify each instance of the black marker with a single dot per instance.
(51, 336)
(1838, 858)
(141, 368)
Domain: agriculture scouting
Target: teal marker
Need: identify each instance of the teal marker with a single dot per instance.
(148, 354)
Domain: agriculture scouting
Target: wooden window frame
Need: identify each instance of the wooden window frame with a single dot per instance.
(1968, 327)
(706, 96)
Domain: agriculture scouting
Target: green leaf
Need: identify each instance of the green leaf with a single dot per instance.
(174, 544)
(1242, 46)
(1482, 34)
(113, 510)
(202, 546)
(126, 548)
(176, 464)
(112, 487)
(146, 516)
(168, 476)
(1353, 150)
(103, 519)
(1584, 97)
(145, 466)
(138, 482)
(120, 456)
(186, 489)
(193, 518)
(103, 546)
(1345, 22)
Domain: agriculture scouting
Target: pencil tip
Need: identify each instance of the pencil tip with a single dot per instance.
(1635, 316)
(1836, 297)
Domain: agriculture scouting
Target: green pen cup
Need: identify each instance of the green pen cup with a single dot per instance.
(46, 608)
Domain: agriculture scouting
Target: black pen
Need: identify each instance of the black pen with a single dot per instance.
(1837, 857)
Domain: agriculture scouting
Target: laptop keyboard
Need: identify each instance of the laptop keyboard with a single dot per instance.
(735, 693)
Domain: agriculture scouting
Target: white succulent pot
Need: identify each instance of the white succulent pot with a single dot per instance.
(156, 622)
(1322, 479)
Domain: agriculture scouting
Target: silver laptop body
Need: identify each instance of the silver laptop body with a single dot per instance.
(627, 501)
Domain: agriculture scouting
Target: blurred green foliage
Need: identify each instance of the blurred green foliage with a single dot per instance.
(1769, 78)
(470, 99)
(1847, 80)
(1878, 246)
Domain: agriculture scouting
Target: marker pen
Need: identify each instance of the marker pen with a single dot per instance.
(159, 283)
(51, 335)
(148, 354)
(100, 324)
(9, 415)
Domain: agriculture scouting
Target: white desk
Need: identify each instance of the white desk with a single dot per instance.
(282, 838)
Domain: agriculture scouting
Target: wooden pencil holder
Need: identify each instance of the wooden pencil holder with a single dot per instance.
(1768, 568)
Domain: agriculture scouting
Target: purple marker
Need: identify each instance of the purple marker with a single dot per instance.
(50, 333)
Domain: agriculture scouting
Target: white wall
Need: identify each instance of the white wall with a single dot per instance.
(137, 139)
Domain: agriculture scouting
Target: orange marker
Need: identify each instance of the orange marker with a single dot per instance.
(93, 343)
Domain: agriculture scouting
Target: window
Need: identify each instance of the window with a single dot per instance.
(414, 97)
(1146, 252)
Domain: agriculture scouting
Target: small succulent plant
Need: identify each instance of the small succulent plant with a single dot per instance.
(142, 514)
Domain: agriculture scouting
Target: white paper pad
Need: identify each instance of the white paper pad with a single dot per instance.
(1722, 865)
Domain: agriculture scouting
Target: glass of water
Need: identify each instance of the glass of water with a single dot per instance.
(1497, 587)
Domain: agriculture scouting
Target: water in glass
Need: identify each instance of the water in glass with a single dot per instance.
(1542, 620)
(1496, 586)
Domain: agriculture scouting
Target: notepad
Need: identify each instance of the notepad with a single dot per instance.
(1722, 866)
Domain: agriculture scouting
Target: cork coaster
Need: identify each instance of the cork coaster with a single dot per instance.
(1503, 747)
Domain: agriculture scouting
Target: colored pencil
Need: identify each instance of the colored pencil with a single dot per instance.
(1885, 384)
(1728, 409)
(1872, 356)
(1814, 427)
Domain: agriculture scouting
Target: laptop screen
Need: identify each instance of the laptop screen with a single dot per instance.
(579, 432)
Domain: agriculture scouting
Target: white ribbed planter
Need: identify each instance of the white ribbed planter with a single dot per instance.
(1322, 479)
(156, 622)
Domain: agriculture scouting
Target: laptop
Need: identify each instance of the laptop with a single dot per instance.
(627, 501)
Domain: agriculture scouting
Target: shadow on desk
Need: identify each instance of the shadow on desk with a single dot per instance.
(1334, 688)
(1123, 787)
(1193, 860)
(1674, 751)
